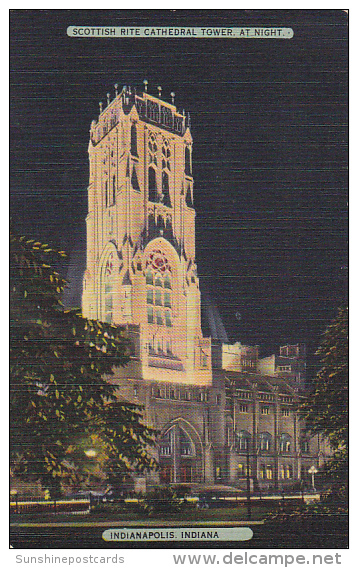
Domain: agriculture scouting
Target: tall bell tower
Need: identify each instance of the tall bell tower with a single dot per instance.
(141, 271)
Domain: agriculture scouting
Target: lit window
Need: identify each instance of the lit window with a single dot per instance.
(166, 445)
(265, 441)
(243, 438)
(285, 443)
(269, 472)
(285, 412)
(243, 408)
(265, 410)
(203, 396)
(248, 471)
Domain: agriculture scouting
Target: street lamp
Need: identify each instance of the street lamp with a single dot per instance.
(248, 496)
(312, 470)
(91, 453)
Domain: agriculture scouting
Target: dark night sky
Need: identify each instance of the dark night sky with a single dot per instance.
(269, 122)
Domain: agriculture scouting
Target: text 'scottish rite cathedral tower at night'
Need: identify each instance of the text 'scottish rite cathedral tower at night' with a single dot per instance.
(216, 406)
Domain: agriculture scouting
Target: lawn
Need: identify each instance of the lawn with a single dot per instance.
(288, 529)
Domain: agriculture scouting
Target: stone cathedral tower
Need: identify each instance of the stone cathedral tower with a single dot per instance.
(141, 269)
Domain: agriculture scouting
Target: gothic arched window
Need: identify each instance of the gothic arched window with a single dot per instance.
(108, 287)
(285, 443)
(165, 173)
(187, 161)
(265, 440)
(152, 184)
(243, 440)
(134, 150)
(158, 288)
(134, 180)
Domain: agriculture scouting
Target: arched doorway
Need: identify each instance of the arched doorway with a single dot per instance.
(180, 459)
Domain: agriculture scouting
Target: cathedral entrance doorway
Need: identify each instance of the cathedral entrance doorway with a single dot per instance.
(179, 459)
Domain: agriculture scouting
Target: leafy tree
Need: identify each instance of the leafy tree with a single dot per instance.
(326, 408)
(65, 418)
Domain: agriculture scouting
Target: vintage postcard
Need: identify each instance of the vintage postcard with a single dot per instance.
(178, 285)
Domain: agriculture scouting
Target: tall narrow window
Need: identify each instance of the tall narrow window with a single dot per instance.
(285, 443)
(167, 300)
(150, 314)
(134, 150)
(165, 189)
(152, 184)
(149, 277)
(113, 190)
(165, 173)
(107, 287)
(106, 192)
(159, 317)
(135, 182)
(187, 161)
(243, 438)
(265, 441)
(168, 318)
(158, 288)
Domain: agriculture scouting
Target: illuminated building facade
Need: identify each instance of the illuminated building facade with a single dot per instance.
(217, 406)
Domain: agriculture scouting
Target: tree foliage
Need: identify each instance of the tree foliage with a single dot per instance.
(326, 409)
(62, 402)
